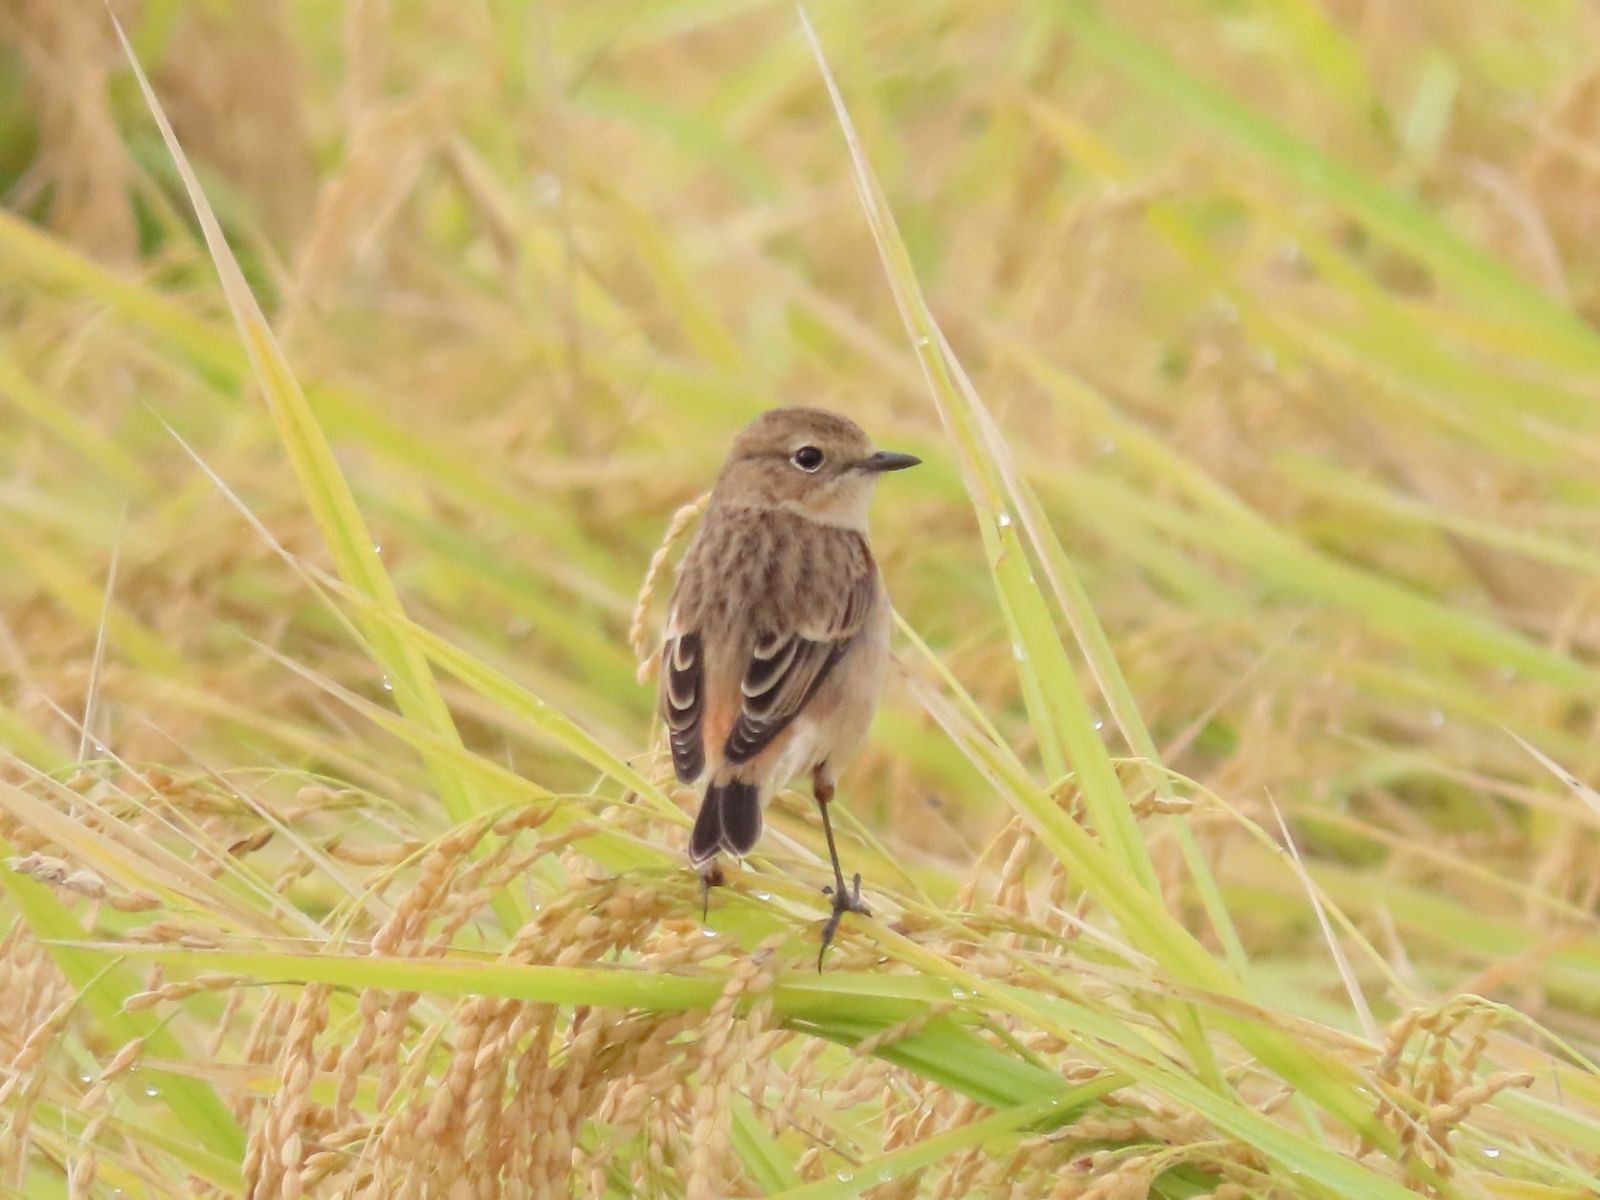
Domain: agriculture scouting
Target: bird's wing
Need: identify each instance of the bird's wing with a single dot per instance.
(788, 665)
(683, 702)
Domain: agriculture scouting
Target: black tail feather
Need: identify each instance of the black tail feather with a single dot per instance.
(729, 819)
(741, 817)
(707, 833)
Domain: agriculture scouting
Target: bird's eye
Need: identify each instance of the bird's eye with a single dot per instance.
(807, 458)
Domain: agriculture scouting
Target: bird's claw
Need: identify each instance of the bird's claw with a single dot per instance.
(844, 900)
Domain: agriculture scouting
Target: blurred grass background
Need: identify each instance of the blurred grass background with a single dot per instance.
(1284, 315)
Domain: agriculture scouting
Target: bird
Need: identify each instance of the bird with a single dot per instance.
(777, 634)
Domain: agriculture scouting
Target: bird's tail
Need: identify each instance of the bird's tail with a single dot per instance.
(730, 819)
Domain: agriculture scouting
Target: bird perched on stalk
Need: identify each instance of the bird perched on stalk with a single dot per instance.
(778, 633)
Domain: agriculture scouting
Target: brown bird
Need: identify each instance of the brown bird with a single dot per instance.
(778, 633)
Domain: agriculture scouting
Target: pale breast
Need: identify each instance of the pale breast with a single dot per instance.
(849, 699)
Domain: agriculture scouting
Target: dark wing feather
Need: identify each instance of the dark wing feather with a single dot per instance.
(786, 667)
(683, 703)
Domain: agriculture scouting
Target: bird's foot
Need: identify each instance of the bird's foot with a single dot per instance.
(710, 876)
(844, 900)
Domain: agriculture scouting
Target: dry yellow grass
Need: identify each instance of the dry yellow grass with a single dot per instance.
(1260, 480)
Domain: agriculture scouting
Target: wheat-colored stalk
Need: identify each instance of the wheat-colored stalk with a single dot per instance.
(639, 627)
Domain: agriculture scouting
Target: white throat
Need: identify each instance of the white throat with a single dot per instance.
(846, 509)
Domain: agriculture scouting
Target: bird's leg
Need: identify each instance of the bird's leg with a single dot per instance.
(844, 899)
(710, 877)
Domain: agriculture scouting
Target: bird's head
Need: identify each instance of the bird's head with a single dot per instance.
(808, 461)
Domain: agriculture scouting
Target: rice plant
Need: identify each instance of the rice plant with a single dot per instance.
(1227, 827)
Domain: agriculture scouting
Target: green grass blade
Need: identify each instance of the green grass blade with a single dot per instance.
(1478, 276)
(102, 987)
(986, 464)
(321, 482)
(887, 1168)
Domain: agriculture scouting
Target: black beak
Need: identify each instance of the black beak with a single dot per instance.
(887, 460)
